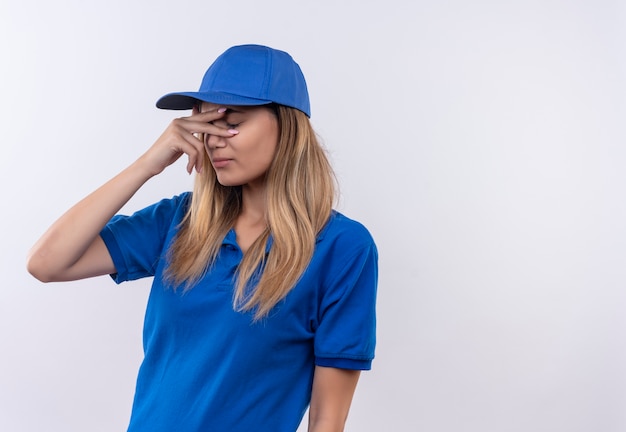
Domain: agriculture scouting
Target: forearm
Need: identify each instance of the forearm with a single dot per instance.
(70, 237)
(326, 425)
(331, 398)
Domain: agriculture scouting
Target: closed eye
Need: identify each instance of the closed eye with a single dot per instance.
(226, 125)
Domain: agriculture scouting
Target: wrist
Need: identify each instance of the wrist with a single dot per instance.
(143, 169)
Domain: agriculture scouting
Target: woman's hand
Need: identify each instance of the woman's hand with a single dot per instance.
(72, 248)
(184, 136)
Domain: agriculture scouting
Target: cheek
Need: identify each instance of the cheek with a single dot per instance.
(269, 152)
(272, 142)
(266, 148)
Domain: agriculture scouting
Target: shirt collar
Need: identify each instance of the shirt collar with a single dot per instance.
(231, 236)
(231, 240)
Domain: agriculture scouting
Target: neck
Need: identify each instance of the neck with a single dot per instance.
(251, 222)
(254, 204)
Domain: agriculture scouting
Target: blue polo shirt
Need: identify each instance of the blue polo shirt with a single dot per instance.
(208, 367)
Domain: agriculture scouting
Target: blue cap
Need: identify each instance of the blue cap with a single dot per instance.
(247, 75)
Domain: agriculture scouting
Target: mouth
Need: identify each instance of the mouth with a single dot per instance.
(220, 162)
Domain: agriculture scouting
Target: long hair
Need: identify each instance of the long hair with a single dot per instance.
(300, 193)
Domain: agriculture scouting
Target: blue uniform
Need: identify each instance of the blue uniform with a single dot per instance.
(208, 367)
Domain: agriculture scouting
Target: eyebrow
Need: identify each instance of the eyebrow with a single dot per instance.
(236, 109)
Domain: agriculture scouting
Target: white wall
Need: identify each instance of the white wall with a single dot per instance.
(483, 144)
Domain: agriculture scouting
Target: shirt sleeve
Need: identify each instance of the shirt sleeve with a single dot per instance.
(346, 336)
(138, 242)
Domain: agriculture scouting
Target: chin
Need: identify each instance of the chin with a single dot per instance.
(228, 182)
(232, 181)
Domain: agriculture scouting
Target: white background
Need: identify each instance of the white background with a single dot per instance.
(482, 143)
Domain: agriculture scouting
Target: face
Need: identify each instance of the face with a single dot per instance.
(244, 158)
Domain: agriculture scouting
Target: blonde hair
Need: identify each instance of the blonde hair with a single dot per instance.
(300, 195)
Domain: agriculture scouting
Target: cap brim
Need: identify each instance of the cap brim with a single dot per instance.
(187, 100)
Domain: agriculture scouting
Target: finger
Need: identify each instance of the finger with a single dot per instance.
(193, 146)
(204, 116)
(185, 127)
(197, 127)
(192, 157)
(208, 115)
(203, 123)
(190, 165)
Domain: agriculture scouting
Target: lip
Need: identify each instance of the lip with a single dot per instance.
(220, 162)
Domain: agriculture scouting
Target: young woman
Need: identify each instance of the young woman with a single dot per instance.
(263, 299)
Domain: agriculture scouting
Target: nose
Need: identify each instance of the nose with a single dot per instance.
(214, 141)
